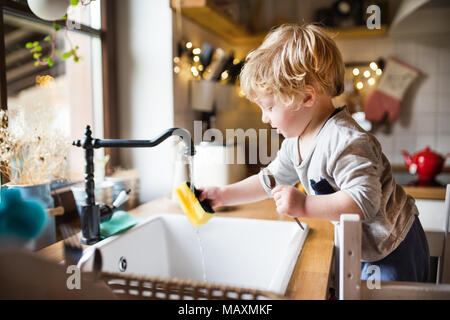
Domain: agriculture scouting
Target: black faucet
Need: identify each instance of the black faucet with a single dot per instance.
(91, 212)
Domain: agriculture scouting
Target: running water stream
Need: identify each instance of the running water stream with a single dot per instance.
(190, 163)
(202, 253)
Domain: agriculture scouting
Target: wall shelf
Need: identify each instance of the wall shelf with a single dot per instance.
(359, 32)
(204, 13)
(209, 16)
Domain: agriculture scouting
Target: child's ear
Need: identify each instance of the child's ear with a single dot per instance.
(309, 96)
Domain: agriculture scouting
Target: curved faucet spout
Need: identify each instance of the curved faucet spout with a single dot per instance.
(115, 143)
(123, 143)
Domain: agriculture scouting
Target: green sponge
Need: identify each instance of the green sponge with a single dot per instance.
(119, 222)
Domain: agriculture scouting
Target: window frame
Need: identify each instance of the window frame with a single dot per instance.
(107, 34)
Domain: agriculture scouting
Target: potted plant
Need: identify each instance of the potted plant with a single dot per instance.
(54, 10)
(32, 155)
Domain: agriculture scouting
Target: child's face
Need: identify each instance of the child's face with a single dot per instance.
(290, 121)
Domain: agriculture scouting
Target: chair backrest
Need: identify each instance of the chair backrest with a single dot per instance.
(434, 216)
(349, 256)
(350, 285)
(444, 272)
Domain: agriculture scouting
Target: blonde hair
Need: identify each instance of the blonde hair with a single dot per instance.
(291, 57)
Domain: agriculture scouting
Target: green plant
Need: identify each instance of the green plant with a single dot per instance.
(36, 48)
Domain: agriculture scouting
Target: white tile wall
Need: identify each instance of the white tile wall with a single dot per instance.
(425, 116)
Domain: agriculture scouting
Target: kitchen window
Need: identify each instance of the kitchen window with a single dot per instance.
(72, 94)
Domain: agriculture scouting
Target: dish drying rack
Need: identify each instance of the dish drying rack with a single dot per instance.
(128, 286)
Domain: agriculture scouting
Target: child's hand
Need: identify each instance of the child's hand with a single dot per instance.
(213, 194)
(289, 200)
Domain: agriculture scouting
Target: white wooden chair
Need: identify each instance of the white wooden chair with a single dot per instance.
(439, 240)
(445, 263)
(434, 216)
(350, 284)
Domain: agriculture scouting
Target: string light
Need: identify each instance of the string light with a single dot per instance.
(373, 66)
(194, 71)
(44, 80)
(188, 59)
(359, 85)
(366, 75)
(224, 75)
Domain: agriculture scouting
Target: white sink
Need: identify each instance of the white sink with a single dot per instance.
(249, 253)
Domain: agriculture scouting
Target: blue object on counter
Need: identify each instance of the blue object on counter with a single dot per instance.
(19, 218)
(119, 222)
(41, 192)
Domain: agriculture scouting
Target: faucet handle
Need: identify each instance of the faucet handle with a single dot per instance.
(106, 211)
(121, 198)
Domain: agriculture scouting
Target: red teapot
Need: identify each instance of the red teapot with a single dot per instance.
(426, 164)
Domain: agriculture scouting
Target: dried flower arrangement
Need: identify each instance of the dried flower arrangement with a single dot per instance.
(31, 155)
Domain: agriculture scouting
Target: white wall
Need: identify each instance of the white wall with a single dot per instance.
(146, 90)
(425, 115)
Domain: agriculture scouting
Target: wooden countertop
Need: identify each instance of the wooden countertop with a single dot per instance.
(430, 193)
(312, 271)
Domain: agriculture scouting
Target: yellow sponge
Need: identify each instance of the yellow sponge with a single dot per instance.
(197, 212)
(301, 188)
